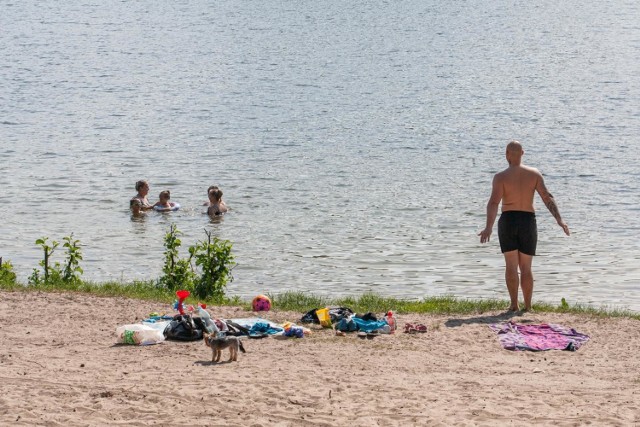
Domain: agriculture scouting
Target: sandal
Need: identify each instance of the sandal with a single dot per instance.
(410, 328)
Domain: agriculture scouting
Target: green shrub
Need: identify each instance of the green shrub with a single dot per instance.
(55, 273)
(7, 276)
(51, 273)
(177, 272)
(215, 260)
(72, 270)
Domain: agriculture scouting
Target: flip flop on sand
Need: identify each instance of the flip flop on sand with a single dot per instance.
(411, 328)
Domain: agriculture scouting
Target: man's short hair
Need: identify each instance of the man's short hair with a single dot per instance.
(514, 146)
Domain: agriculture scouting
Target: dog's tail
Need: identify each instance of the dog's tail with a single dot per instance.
(241, 346)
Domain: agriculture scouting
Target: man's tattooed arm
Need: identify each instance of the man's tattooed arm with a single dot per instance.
(553, 208)
(550, 203)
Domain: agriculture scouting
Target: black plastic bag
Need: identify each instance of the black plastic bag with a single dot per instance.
(183, 327)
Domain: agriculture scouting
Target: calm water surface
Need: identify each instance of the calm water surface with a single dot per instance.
(355, 143)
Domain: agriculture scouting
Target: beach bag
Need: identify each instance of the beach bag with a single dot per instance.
(310, 317)
(183, 327)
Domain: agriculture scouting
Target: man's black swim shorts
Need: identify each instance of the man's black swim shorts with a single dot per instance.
(517, 230)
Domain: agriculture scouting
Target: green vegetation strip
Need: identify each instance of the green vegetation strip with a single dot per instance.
(207, 270)
(302, 302)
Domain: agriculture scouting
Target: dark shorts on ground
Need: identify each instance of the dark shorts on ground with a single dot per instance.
(517, 230)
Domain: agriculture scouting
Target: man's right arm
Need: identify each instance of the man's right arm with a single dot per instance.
(492, 209)
(550, 203)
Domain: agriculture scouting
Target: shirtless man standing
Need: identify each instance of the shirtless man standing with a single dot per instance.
(517, 230)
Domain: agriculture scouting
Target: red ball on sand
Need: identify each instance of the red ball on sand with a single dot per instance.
(261, 303)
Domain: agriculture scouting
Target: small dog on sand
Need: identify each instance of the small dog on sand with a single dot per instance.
(217, 344)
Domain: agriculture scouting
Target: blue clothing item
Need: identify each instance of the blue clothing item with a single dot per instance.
(294, 331)
(346, 325)
(153, 319)
(264, 328)
(369, 325)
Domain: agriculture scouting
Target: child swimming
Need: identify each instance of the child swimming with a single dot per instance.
(216, 205)
(164, 205)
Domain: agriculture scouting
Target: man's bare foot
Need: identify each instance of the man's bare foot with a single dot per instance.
(512, 308)
(527, 310)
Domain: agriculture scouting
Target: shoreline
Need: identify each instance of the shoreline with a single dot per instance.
(64, 368)
(304, 301)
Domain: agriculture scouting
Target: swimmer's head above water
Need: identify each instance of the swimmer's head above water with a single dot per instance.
(165, 195)
(215, 195)
(141, 185)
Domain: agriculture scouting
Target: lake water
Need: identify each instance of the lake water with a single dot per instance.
(355, 141)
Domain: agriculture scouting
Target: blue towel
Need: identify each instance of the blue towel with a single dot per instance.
(368, 325)
(264, 328)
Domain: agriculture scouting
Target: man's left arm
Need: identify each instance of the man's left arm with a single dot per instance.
(550, 203)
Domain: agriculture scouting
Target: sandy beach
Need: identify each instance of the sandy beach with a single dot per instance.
(59, 365)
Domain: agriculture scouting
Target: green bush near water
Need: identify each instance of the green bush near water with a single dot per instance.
(206, 281)
(176, 272)
(7, 276)
(213, 264)
(68, 273)
(215, 260)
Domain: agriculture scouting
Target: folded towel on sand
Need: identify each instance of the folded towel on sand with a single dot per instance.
(515, 336)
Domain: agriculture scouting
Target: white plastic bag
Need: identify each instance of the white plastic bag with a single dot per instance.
(138, 335)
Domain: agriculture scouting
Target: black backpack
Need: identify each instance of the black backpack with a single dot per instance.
(183, 327)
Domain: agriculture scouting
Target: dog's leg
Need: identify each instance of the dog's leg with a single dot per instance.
(241, 346)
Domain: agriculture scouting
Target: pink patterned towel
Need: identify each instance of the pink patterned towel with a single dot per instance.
(515, 336)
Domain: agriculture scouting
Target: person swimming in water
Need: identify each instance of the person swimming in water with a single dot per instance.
(216, 205)
(164, 205)
(211, 187)
(139, 203)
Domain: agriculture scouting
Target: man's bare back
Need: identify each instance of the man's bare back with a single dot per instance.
(519, 184)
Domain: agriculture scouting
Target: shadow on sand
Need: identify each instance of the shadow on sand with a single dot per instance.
(210, 363)
(495, 318)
